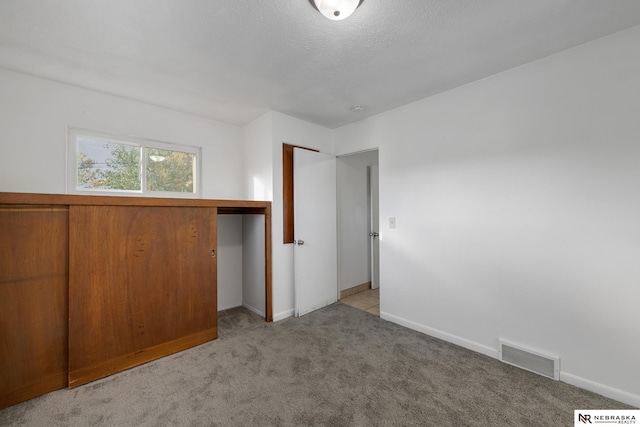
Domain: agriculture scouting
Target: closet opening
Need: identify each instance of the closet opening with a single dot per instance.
(244, 260)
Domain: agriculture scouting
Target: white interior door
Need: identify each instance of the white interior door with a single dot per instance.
(315, 247)
(375, 226)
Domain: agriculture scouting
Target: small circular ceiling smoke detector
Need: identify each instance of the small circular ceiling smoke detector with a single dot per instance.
(336, 9)
(357, 108)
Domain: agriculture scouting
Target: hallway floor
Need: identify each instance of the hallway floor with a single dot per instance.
(368, 300)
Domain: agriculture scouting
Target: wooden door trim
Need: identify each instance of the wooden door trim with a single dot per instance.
(267, 268)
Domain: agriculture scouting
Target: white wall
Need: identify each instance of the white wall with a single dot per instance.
(258, 184)
(263, 139)
(230, 261)
(35, 114)
(292, 131)
(354, 261)
(253, 264)
(257, 139)
(517, 209)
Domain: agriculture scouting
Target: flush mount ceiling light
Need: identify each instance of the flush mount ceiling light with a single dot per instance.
(336, 9)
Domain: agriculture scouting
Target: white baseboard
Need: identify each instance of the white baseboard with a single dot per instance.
(255, 310)
(445, 336)
(604, 390)
(283, 315)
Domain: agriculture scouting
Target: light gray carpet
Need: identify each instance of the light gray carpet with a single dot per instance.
(335, 367)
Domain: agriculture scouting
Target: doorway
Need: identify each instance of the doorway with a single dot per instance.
(358, 239)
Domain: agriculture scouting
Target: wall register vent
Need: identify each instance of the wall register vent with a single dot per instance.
(531, 360)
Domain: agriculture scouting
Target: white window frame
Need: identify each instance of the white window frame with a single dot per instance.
(75, 133)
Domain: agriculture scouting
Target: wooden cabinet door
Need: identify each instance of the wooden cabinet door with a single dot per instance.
(33, 301)
(142, 285)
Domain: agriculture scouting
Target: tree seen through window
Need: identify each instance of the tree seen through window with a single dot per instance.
(105, 165)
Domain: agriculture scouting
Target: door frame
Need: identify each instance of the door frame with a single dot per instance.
(339, 219)
(374, 216)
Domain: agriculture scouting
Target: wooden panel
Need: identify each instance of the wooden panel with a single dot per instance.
(247, 206)
(224, 207)
(141, 281)
(33, 301)
(267, 266)
(287, 193)
(118, 364)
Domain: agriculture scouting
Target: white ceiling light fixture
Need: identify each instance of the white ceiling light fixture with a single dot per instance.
(336, 9)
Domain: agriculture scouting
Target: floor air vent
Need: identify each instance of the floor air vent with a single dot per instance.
(531, 360)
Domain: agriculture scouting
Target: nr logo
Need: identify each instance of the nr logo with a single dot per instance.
(584, 418)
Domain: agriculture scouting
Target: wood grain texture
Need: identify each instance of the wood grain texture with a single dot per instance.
(287, 193)
(109, 367)
(33, 301)
(139, 277)
(35, 254)
(245, 206)
(267, 267)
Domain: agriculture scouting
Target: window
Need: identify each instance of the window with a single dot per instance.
(105, 163)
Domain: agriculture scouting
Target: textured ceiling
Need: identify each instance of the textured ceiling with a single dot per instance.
(232, 60)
